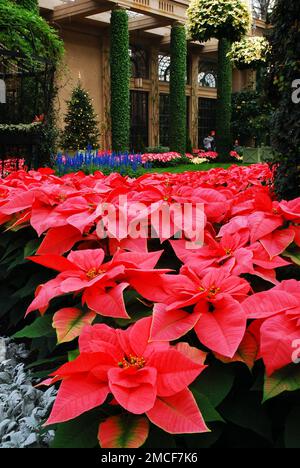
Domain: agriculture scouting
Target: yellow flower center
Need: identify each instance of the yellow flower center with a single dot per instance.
(94, 272)
(213, 291)
(132, 361)
(228, 251)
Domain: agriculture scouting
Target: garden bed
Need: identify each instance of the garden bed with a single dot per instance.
(173, 340)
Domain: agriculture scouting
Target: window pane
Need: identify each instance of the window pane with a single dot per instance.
(164, 119)
(164, 62)
(139, 62)
(206, 118)
(139, 121)
(207, 74)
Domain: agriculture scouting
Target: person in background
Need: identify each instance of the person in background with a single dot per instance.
(238, 148)
(207, 142)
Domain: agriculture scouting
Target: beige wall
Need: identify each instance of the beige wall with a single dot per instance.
(82, 58)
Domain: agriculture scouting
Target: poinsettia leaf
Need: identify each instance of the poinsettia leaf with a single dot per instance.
(247, 352)
(73, 354)
(267, 303)
(215, 382)
(123, 431)
(69, 323)
(245, 410)
(277, 241)
(295, 257)
(78, 433)
(209, 413)
(42, 326)
(178, 414)
(41, 362)
(283, 380)
(59, 240)
(31, 247)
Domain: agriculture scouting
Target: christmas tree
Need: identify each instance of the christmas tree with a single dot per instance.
(81, 125)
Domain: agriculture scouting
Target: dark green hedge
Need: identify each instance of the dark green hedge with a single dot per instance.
(119, 69)
(177, 89)
(251, 118)
(223, 133)
(284, 68)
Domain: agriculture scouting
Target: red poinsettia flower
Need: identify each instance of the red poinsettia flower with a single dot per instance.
(83, 271)
(143, 377)
(231, 250)
(217, 317)
(279, 312)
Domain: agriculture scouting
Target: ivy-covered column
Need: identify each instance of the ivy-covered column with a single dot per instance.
(223, 131)
(119, 71)
(32, 5)
(227, 21)
(177, 89)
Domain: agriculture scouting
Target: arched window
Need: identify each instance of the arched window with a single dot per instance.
(207, 74)
(139, 62)
(164, 62)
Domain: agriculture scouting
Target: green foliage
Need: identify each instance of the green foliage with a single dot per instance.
(49, 139)
(20, 128)
(246, 411)
(223, 130)
(189, 146)
(119, 70)
(251, 117)
(81, 126)
(217, 19)
(228, 21)
(42, 326)
(18, 277)
(78, 433)
(216, 383)
(40, 49)
(284, 68)
(284, 380)
(177, 89)
(31, 5)
(157, 149)
(24, 31)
